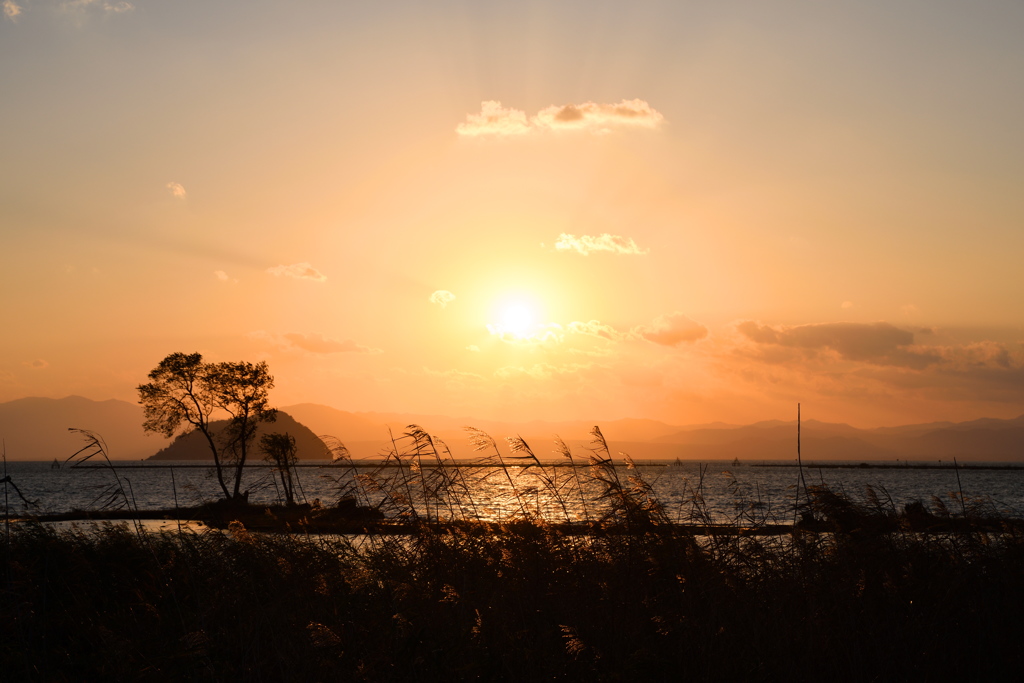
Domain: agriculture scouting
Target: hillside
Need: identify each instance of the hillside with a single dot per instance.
(193, 446)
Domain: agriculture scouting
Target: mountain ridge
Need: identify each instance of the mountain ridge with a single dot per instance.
(36, 428)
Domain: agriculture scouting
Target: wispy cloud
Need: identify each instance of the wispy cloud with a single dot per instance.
(666, 330)
(442, 297)
(671, 330)
(596, 328)
(317, 343)
(494, 120)
(224, 277)
(36, 364)
(588, 244)
(299, 271)
(539, 334)
(12, 10)
(453, 376)
(540, 371)
(177, 190)
(311, 343)
(99, 5)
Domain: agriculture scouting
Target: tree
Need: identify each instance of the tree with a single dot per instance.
(185, 391)
(280, 450)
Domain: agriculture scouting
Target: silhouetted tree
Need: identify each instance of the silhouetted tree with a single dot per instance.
(183, 390)
(280, 449)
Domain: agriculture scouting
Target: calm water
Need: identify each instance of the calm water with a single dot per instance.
(730, 493)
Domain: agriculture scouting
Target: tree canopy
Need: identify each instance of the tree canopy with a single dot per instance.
(186, 392)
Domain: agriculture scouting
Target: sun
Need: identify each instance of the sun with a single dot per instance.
(516, 318)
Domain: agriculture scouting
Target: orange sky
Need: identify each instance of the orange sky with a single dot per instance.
(532, 210)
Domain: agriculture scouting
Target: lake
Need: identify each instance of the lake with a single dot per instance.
(716, 491)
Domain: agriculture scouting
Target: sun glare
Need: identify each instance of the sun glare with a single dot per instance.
(516, 318)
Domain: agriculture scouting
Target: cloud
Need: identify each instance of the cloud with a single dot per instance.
(474, 348)
(875, 343)
(666, 330)
(671, 330)
(496, 120)
(37, 364)
(599, 117)
(442, 297)
(541, 334)
(587, 244)
(847, 304)
(311, 343)
(110, 7)
(453, 375)
(540, 371)
(299, 271)
(177, 191)
(12, 10)
(596, 328)
(223, 277)
(317, 343)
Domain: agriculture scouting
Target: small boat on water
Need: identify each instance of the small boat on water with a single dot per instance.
(55, 465)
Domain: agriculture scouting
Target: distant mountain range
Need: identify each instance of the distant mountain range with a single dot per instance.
(37, 429)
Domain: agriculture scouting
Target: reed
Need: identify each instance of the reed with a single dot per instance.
(862, 591)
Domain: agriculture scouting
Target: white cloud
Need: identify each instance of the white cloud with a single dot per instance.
(496, 120)
(474, 348)
(587, 244)
(177, 190)
(442, 297)
(12, 10)
(299, 271)
(224, 277)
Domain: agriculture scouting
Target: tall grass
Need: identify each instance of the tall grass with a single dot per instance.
(855, 592)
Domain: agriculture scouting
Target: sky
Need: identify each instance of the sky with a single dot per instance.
(683, 211)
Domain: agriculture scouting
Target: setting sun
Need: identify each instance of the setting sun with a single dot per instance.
(518, 319)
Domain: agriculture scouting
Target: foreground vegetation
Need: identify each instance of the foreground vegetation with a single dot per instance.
(854, 592)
